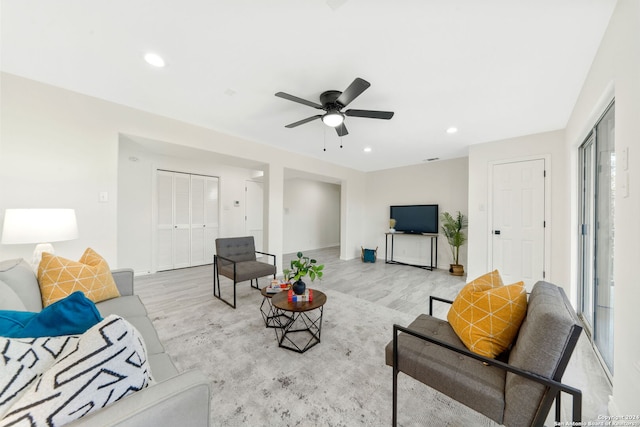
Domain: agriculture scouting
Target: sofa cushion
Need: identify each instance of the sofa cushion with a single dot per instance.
(69, 316)
(19, 275)
(124, 306)
(59, 277)
(486, 315)
(10, 300)
(145, 328)
(23, 360)
(108, 362)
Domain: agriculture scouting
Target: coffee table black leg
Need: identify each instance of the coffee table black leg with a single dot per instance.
(313, 327)
(270, 314)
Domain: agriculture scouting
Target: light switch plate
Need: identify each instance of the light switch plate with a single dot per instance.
(103, 197)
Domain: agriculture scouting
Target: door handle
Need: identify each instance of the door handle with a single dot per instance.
(496, 231)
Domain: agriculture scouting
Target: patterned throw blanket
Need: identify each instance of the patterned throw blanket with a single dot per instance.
(51, 381)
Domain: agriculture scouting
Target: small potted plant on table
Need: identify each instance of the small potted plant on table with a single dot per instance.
(300, 267)
(452, 230)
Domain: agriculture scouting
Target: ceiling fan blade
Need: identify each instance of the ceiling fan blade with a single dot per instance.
(341, 129)
(386, 115)
(303, 121)
(353, 91)
(299, 100)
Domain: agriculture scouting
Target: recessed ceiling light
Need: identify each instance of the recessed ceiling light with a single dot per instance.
(452, 130)
(367, 149)
(154, 59)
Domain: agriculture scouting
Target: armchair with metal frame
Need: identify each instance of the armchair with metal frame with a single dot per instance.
(236, 259)
(517, 392)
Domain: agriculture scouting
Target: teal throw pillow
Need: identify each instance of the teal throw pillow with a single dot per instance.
(72, 315)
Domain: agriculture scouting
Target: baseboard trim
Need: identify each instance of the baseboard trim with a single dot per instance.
(613, 408)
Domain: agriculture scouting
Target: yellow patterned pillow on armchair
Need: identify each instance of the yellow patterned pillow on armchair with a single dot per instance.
(486, 315)
(59, 277)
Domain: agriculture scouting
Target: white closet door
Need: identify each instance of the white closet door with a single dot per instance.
(164, 229)
(211, 224)
(182, 221)
(197, 220)
(187, 219)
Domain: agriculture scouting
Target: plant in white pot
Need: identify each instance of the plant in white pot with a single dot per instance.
(301, 267)
(452, 228)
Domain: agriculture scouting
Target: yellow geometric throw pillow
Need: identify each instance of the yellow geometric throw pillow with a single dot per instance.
(486, 315)
(60, 277)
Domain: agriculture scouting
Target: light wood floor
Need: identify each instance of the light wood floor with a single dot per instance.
(403, 288)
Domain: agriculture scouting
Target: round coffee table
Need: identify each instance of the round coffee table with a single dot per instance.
(299, 324)
(269, 314)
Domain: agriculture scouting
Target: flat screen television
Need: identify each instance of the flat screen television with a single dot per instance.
(415, 219)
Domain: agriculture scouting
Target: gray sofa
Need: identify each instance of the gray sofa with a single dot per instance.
(173, 399)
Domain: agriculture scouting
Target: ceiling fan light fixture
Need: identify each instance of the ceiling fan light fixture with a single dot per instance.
(333, 118)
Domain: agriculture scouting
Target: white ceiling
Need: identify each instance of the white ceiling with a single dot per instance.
(494, 69)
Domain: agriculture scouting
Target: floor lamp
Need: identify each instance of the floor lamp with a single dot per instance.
(41, 226)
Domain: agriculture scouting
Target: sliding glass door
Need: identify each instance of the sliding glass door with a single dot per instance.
(597, 193)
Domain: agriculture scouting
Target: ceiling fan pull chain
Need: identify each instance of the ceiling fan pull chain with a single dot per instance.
(325, 139)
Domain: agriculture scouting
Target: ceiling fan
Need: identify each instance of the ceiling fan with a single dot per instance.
(333, 101)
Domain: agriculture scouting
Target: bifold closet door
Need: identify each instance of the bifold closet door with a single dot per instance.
(204, 218)
(187, 219)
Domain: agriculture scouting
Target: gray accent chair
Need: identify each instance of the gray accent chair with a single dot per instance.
(236, 259)
(518, 392)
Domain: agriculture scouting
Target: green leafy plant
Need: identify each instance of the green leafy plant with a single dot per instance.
(303, 266)
(452, 229)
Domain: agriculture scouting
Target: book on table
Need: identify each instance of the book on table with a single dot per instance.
(274, 288)
(306, 297)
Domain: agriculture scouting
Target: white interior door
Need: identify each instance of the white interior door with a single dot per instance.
(518, 221)
(254, 195)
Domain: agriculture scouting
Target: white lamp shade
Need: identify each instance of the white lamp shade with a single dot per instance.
(39, 225)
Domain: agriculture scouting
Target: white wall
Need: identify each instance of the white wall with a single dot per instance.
(548, 146)
(60, 149)
(311, 215)
(616, 72)
(136, 198)
(444, 183)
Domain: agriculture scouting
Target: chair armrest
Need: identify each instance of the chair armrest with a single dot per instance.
(267, 254)
(225, 259)
(180, 400)
(432, 298)
(124, 280)
(555, 387)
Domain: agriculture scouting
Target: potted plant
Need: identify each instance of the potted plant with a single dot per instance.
(300, 267)
(452, 229)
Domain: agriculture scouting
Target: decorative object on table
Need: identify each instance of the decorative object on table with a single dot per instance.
(40, 226)
(369, 255)
(306, 296)
(275, 286)
(300, 267)
(392, 225)
(452, 229)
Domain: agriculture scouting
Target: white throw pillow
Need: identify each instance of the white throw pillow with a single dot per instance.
(109, 362)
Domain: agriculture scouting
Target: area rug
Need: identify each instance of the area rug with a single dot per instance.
(342, 381)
